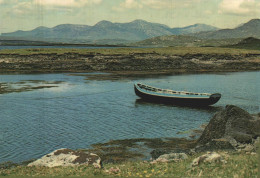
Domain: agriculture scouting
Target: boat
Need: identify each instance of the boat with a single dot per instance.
(167, 96)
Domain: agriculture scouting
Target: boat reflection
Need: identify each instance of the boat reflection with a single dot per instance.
(210, 109)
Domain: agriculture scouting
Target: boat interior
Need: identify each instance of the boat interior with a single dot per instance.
(168, 91)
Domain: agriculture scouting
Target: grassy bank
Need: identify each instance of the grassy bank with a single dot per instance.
(167, 60)
(111, 51)
(237, 165)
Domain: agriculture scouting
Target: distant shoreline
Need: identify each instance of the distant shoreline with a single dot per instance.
(129, 61)
(58, 44)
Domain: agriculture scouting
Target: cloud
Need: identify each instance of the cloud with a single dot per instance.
(208, 12)
(66, 3)
(239, 7)
(55, 2)
(20, 9)
(8, 1)
(128, 4)
(156, 4)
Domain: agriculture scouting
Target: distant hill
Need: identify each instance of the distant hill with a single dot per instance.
(172, 40)
(185, 40)
(22, 43)
(248, 43)
(105, 31)
(249, 29)
(193, 29)
(60, 31)
(225, 37)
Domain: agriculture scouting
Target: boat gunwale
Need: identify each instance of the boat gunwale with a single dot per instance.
(177, 94)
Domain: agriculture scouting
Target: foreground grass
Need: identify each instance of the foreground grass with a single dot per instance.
(238, 165)
(110, 51)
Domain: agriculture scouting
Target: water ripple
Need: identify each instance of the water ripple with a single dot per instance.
(79, 114)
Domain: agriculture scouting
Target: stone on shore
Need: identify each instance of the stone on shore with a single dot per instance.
(210, 157)
(230, 128)
(68, 157)
(170, 157)
(158, 152)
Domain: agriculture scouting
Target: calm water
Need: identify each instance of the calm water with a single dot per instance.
(33, 47)
(79, 112)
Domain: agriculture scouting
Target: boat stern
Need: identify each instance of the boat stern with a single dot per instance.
(215, 97)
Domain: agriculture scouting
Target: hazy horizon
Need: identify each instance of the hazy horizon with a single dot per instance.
(114, 22)
(30, 14)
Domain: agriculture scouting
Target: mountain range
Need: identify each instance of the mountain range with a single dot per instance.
(105, 32)
(140, 31)
(222, 37)
(249, 29)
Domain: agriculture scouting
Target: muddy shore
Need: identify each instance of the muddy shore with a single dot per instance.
(130, 63)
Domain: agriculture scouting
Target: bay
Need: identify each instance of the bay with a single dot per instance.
(78, 112)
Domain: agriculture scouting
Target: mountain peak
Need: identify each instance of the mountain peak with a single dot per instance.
(103, 23)
(248, 29)
(139, 21)
(201, 25)
(252, 22)
(195, 28)
(70, 26)
(41, 28)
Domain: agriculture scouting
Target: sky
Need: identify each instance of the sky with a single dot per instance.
(29, 14)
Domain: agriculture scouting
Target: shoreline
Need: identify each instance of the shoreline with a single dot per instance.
(172, 153)
(129, 60)
(143, 149)
(167, 65)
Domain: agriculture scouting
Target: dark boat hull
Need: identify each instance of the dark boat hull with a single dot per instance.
(214, 98)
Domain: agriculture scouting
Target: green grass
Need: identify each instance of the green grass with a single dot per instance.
(107, 51)
(238, 165)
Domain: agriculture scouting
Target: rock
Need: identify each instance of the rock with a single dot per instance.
(249, 148)
(68, 157)
(232, 141)
(113, 170)
(242, 137)
(210, 157)
(158, 152)
(215, 144)
(174, 156)
(221, 143)
(231, 123)
(170, 157)
(257, 143)
(161, 160)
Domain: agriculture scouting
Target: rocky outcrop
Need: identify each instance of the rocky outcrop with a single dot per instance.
(230, 128)
(75, 62)
(68, 157)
